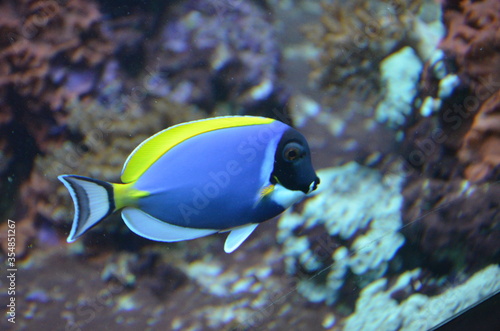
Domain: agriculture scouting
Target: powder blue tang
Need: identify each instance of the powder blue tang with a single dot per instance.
(198, 178)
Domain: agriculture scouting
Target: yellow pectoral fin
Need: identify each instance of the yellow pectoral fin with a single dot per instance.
(266, 191)
(126, 195)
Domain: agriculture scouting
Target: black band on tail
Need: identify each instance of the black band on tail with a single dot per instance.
(93, 200)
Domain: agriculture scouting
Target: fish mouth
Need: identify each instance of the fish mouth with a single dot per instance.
(314, 185)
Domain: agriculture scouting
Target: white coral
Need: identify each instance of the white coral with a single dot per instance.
(356, 203)
(377, 310)
(400, 75)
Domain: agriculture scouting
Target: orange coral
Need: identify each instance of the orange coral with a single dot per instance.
(473, 43)
(473, 39)
(36, 35)
(51, 51)
(481, 146)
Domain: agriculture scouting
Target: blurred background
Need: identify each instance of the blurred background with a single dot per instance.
(400, 103)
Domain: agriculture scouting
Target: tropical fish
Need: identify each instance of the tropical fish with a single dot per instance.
(202, 177)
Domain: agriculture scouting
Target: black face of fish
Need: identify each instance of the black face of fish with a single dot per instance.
(292, 163)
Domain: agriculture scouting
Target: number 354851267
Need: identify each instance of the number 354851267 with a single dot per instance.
(11, 238)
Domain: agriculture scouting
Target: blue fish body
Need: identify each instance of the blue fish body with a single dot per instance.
(202, 177)
(199, 183)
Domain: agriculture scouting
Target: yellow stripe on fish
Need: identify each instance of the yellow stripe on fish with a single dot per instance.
(154, 147)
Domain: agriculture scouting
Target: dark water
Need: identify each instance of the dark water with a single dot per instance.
(398, 100)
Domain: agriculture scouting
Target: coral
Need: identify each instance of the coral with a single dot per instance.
(436, 84)
(64, 72)
(101, 139)
(454, 136)
(217, 52)
(51, 52)
(400, 73)
(480, 150)
(456, 224)
(354, 37)
(427, 29)
(249, 291)
(377, 309)
(473, 39)
(40, 40)
(352, 256)
(358, 240)
(472, 44)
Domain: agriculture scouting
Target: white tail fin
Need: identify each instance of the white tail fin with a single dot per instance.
(93, 201)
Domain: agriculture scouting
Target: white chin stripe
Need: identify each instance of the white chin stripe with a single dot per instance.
(311, 187)
(285, 197)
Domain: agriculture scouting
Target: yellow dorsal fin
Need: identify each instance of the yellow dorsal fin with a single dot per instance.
(151, 149)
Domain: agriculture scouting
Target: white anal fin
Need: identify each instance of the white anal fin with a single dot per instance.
(152, 228)
(238, 236)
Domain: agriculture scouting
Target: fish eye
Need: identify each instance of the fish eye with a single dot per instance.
(293, 151)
